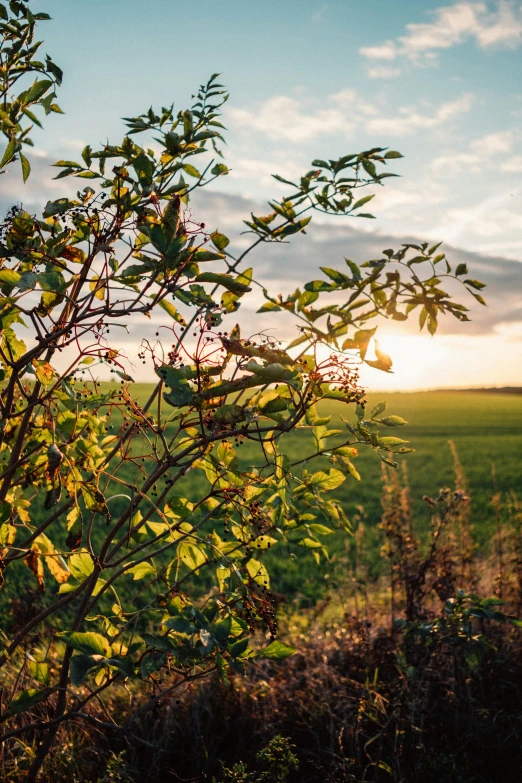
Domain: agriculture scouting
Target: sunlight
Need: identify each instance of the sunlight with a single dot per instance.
(418, 362)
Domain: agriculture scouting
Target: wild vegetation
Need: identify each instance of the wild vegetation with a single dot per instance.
(407, 675)
(138, 534)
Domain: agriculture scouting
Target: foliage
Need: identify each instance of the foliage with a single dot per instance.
(18, 60)
(362, 700)
(455, 626)
(147, 586)
(278, 760)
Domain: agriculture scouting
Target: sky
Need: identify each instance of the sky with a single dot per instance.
(440, 82)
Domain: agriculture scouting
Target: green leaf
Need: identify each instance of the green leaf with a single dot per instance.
(257, 572)
(152, 663)
(326, 481)
(171, 310)
(81, 565)
(40, 671)
(207, 255)
(52, 281)
(389, 441)
(338, 277)
(361, 202)
(238, 648)
(219, 240)
(393, 421)
(57, 207)
(227, 281)
(141, 571)
(475, 284)
(27, 281)
(9, 276)
(360, 340)
(89, 643)
(320, 530)
(219, 170)
(479, 298)
(352, 470)
(379, 408)
(276, 651)
(67, 164)
(9, 153)
(38, 89)
(81, 665)
(26, 699)
(221, 630)
(269, 307)
(26, 167)
(176, 379)
(369, 167)
(191, 170)
(391, 154)
(87, 155)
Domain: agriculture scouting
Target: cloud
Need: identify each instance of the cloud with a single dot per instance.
(479, 156)
(282, 117)
(253, 170)
(384, 72)
(484, 223)
(296, 120)
(386, 51)
(493, 143)
(409, 119)
(284, 267)
(497, 24)
(40, 186)
(513, 165)
(495, 216)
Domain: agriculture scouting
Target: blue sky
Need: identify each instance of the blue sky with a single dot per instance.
(441, 82)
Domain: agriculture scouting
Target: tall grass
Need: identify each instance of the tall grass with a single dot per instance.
(413, 674)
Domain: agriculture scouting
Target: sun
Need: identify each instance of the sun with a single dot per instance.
(418, 363)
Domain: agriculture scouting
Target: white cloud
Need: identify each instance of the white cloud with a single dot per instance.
(385, 51)
(495, 216)
(384, 72)
(260, 171)
(282, 117)
(498, 24)
(478, 155)
(493, 223)
(449, 165)
(513, 165)
(493, 143)
(409, 119)
(399, 200)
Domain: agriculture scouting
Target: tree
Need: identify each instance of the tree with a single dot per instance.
(147, 576)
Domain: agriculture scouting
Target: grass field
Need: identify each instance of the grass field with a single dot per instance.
(486, 429)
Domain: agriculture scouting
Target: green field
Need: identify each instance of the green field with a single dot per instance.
(486, 429)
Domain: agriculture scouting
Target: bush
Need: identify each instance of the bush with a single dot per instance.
(150, 585)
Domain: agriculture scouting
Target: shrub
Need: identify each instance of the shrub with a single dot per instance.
(136, 579)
